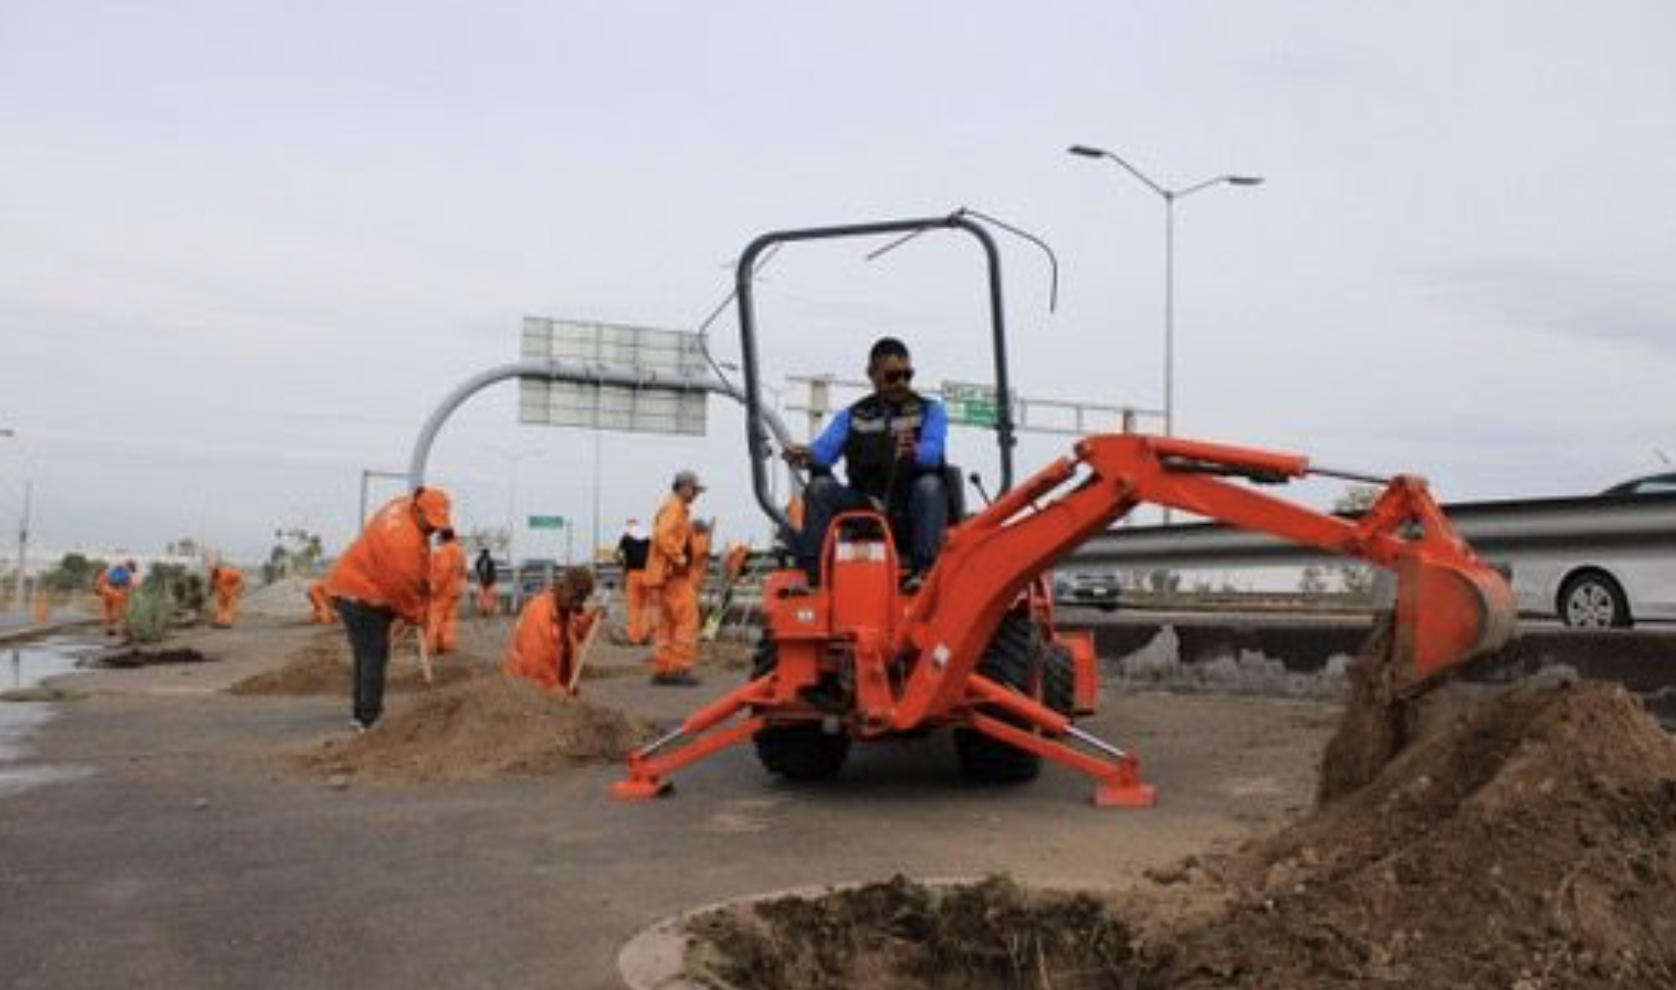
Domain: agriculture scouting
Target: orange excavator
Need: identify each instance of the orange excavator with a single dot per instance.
(974, 648)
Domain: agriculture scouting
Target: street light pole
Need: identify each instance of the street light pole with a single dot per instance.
(1169, 196)
(513, 459)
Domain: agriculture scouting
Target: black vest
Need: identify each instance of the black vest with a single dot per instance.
(870, 449)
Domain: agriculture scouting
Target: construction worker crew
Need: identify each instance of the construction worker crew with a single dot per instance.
(891, 443)
(632, 550)
(552, 631)
(382, 577)
(668, 574)
(227, 584)
(448, 578)
(484, 567)
(114, 586)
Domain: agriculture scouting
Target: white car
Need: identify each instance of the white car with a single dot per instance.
(1615, 586)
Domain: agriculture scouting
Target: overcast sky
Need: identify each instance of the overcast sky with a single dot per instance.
(246, 247)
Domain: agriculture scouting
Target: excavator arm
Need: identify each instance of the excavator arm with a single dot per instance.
(1450, 605)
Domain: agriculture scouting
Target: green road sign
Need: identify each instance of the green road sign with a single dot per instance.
(971, 405)
(547, 522)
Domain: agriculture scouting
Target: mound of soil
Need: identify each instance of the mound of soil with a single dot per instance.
(150, 658)
(482, 727)
(324, 667)
(897, 935)
(1527, 843)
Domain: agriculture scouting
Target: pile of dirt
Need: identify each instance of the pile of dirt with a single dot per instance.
(323, 667)
(482, 727)
(1527, 842)
(993, 935)
(129, 659)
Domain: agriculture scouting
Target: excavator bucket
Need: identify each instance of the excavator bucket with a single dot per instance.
(1449, 610)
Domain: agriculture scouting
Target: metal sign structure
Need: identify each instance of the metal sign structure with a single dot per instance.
(547, 522)
(975, 405)
(669, 367)
(970, 404)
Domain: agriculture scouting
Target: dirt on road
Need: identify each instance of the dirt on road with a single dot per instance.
(486, 726)
(323, 667)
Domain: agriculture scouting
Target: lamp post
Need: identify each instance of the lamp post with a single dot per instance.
(512, 458)
(22, 534)
(1169, 196)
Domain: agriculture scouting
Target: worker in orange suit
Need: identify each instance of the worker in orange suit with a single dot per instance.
(448, 580)
(632, 551)
(733, 565)
(320, 604)
(382, 577)
(114, 586)
(668, 573)
(552, 631)
(227, 584)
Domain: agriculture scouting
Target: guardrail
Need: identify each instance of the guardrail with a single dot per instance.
(1493, 528)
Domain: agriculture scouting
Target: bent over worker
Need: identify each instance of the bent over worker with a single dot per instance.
(668, 567)
(227, 584)
(552, 630)
(448, 577)
(114, 586)
(382, 577)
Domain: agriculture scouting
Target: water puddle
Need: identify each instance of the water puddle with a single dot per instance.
(22, 667)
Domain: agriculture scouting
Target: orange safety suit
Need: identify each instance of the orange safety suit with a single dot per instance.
(228, 584)
(668, 571)
(320, 602)
(547, 643)
(733, 565)
(642, 607)
(448, 578)
(113, 598)
(389, 566)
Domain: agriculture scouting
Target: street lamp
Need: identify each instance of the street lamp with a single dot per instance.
(1169, 196)
(512, 458)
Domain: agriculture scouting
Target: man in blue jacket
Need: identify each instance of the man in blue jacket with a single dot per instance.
(891, 443)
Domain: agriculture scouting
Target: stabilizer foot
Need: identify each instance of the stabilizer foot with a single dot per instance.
(1125, 794)
(635, 789)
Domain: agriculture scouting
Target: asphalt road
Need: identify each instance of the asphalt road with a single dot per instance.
(189, 856)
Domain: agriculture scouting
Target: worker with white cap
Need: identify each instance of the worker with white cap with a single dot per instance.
(668, 572)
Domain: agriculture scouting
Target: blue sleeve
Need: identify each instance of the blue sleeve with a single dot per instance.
(933, 436)
(829, 446)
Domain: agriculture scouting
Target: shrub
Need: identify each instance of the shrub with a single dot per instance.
(150, 613)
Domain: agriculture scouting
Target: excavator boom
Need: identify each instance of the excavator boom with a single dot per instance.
(1450, 605)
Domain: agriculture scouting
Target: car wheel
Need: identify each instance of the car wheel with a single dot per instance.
(1594, 601)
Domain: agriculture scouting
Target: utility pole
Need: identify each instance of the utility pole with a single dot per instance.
(23, 545)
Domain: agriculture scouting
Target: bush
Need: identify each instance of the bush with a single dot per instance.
(184, 588)
(150, 613)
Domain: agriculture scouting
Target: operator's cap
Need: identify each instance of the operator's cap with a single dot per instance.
(688, 477)
(434, 503)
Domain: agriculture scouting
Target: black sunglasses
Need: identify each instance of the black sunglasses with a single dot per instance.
(899, 375)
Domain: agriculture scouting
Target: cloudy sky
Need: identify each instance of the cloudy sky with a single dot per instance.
(245, 247)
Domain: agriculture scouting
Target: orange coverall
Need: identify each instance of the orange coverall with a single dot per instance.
(321, 603)
(547, 644)
(228, 585)
(448, 577)
(667, 571)
(113, 600)
(389, 566)
(642, 609)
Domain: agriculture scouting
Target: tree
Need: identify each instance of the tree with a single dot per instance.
(296, 551)
(73, 572)
(1355, 576)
